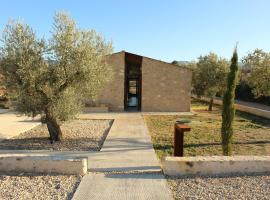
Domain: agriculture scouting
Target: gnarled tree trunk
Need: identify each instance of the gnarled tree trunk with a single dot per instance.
(210, 107)
(53, 127)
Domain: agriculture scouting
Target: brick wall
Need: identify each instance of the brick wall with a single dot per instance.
(165, 87)
(113, 93)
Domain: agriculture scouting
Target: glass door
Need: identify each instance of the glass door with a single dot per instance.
(132, 96)
(133, 82)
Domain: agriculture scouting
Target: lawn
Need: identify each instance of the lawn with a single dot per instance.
(251, 133)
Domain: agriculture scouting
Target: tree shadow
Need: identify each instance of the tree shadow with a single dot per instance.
(168, 147)
(254, 119)
(218, 143)
(163, 147)
(24, 142)
(219, 176)
(136, 175)
(43, 143)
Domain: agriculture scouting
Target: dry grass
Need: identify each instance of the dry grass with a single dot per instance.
(252, 133)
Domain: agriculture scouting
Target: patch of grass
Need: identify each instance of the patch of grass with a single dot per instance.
(251, 133)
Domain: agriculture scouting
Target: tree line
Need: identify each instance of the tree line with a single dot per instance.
(253, 80)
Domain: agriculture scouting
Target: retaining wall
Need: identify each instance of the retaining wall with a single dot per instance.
(42, 164)
(215, 165)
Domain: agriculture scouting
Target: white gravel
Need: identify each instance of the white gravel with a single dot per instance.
(41, 187)
(78, 135)
(236, 187)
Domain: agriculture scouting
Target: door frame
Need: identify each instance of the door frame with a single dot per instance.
(138, 61)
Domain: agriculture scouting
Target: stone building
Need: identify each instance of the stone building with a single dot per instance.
(143, 84)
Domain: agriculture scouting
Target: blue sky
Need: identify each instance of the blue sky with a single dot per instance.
(162, 29)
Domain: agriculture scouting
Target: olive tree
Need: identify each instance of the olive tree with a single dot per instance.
(209, 76)
(52, 77)
(258, 63)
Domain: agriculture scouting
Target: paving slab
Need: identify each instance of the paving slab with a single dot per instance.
(122, 162)
(12, 124)
(122, 186)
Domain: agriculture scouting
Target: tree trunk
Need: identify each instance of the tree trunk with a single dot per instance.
(53, 127)
(210, 107)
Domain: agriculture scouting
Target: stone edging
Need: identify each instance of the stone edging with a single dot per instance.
(215, 165)
(18, 163)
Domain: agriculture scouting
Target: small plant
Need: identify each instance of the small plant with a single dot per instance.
(183, 121)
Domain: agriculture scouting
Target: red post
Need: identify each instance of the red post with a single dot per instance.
(179, 130)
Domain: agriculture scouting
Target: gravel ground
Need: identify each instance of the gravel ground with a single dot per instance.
(41, 187)
(234, 187)
(78, 135)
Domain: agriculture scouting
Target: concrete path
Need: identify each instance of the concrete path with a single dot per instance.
(12, 124)
(248, 107)
(253, 105)
(4, 110)
(126, 167)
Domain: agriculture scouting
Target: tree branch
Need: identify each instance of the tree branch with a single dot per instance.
(68, 82)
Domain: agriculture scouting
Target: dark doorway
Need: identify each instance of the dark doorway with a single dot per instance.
(133, 81)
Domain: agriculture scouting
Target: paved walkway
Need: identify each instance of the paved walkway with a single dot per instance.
(126, 167)
(12, 124)
(248, 107)
(253, 105)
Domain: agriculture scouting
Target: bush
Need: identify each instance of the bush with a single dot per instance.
(244, 92)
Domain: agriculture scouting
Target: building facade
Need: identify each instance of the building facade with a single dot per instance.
(144, 84)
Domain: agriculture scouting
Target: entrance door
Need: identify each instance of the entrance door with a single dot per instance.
(133, 81)
(133, 94)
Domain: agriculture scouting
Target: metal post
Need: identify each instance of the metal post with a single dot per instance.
(179, 130)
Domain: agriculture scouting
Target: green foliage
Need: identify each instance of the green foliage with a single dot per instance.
(258, 63)
(175, 62)
(209, 76)
(53, 77)
(64, 108)
(228, 110)
(2, 87)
